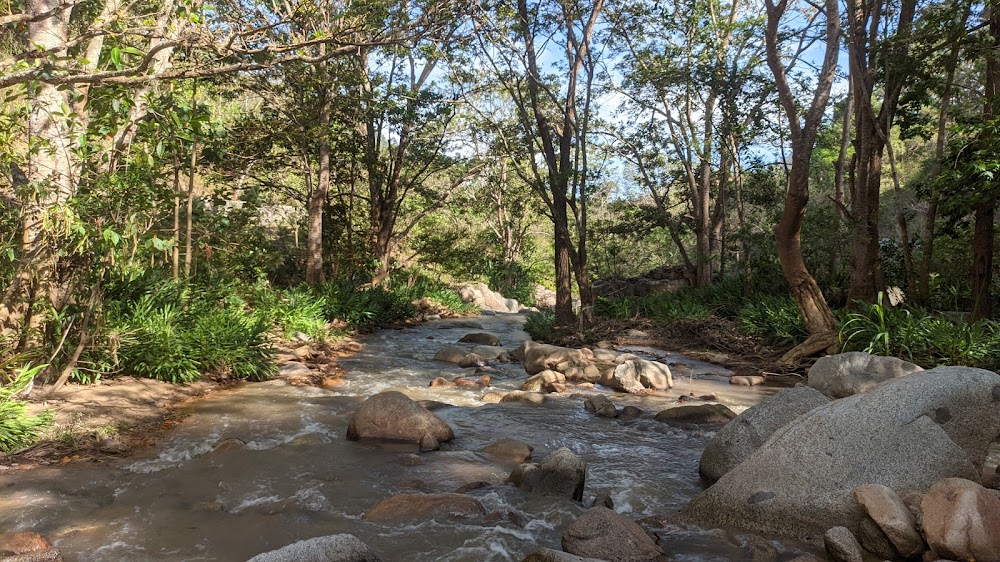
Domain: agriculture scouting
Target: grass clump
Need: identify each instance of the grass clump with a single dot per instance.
(541, 325)
(17, 428)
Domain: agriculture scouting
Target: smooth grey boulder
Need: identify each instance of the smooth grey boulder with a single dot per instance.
(333, 548)
(749, 430)
(451, 354)
(847, 374)
(606, 535)
(560, 474)
(905, 434)
(842, 545)
(624, 378)
(393, 416)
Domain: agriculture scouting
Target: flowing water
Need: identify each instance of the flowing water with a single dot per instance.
(297, 476)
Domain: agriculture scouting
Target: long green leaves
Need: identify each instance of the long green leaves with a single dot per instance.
(17, 429)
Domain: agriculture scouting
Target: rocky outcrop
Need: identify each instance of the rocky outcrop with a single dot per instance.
(393, 416)
(333, 548)
(540, 357)
(694, 417)
(961, 520)
(847, 374)
(748, 431)
(905, 434)
(421, 507)
(603, 534)
(561, 474)
(485, 298)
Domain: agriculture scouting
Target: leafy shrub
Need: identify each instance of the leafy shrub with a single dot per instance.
(153, 344)
(540, 325)
(17, 429)
(232, 342)
(923, 338)
(773, 318)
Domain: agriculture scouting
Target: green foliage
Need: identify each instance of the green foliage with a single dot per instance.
(17, 429)
(921, 337)
(540, 325)
(173, 333)
(773, 318)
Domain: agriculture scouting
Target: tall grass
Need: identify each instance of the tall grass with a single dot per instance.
(17, 428)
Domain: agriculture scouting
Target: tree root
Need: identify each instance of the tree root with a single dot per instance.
(814, 344)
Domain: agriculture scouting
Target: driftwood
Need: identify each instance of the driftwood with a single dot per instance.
(813, 345)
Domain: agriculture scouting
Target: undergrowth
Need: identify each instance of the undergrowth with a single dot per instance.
(17, 428)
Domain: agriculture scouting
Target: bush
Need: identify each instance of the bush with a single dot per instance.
(773, 318)
(17, 429)
(926, 339)
(541, 326)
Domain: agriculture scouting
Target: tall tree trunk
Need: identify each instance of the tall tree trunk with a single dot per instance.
(903, 224)
(840, 187)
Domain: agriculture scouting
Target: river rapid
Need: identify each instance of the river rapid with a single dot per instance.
(296, 476)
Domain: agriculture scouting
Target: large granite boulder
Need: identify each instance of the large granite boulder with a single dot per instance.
(333, 548)
(748, 431)
(961, 520)
(606, 535)
(905, 434)
(636, 375)
(561, 474)
(421, 507)
(394, 417)
(847, 374)
(485, 298)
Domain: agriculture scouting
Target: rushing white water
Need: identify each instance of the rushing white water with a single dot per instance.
(298, 477)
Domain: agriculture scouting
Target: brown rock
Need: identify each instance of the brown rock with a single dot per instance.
(521, 396)
(23, 542)
(493, 397)
(440, 381)
(961, 520)
(890, 514)
(393, 416)
(421, 507)
(600, 405)
(481, 338)
(471, 360)
(473, 382)
(629, 413)
(603, 534)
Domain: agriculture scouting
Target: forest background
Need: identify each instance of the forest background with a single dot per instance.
(186, 182)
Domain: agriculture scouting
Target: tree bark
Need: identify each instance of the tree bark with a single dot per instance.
(315, 273)
(985, 229)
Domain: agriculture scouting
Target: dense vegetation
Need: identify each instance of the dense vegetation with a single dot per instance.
(186, 184)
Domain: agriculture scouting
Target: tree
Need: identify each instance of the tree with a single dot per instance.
(816, 315)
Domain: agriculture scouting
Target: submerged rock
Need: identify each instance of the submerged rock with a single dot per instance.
(690, 417)
(603, 534)
(481, 338)
(421, 507)
(549, 555)
(847, 374)
(393, 416)
(906, 434)
(451, 354)
(509, 449)
(748, 431)
(333, 548)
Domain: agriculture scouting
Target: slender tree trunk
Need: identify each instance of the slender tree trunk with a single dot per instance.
(176, 249)
(816, 314)
(904, 227)
(985, 230)
(840, 187)
(315, 273)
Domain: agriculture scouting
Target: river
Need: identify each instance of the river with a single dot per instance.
(297, 476)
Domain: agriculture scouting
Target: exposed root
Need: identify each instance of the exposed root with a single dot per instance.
(814, 344)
